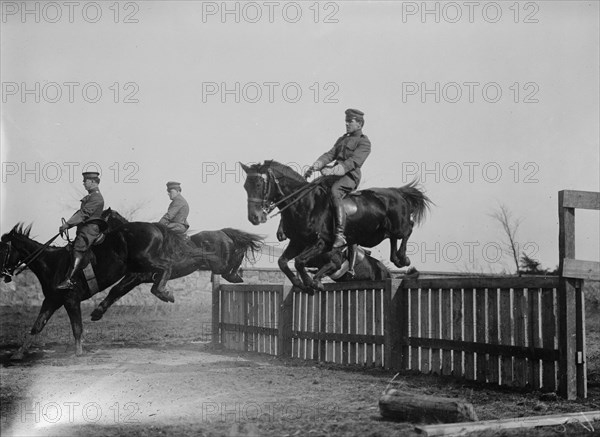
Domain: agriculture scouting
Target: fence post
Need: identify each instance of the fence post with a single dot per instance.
(285, 317)
(216, 308)
(392, 323)
(567, 340)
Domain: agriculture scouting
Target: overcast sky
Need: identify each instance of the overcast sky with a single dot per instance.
(488, 103)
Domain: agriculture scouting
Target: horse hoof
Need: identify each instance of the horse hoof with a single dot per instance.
(234, 278)
(165, 296)
(406, 261)
(97, 315)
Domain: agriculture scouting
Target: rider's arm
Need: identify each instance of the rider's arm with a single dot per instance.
(357, 158)
(171, 213)
(93, 202)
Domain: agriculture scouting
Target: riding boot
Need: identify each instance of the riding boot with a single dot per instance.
(340, 225)
(68, 283)
(351, 259)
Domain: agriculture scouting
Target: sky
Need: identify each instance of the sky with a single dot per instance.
(486, 103)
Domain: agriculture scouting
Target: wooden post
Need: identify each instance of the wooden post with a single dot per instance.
(216, 308)
(286, 313)
(392, 324)
(567, 346)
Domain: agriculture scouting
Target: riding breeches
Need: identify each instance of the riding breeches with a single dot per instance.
(341, 188)
(178, 228)
(86, 235)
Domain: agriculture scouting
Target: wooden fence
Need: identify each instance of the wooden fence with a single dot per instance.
(501, 330)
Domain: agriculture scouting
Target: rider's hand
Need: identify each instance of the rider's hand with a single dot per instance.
(308, 173)
(326, 171)
(63, 228)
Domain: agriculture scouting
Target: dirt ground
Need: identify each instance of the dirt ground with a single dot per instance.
(151, 371)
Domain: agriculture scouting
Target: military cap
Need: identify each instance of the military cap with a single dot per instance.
(354, 113)
(90, 174)
(173, 185)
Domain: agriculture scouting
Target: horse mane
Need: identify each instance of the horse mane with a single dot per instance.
(244, 242)
(282, 170)
(21, 229)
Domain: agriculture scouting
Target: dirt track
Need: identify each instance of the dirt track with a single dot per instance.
(149, 372)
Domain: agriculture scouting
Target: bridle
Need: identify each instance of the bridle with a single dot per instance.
(22, 264)
(271, 180)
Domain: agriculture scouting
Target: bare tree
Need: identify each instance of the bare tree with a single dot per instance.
(510, 227)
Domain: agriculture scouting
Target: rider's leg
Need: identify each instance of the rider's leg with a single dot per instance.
(86, 235)
(339, 189)
(73, 269)
(351, 259)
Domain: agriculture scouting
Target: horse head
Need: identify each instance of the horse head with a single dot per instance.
(113, 219)
(11, 254)
(266, 184)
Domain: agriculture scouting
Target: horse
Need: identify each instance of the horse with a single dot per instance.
(225, 250)
(373, 215)
(50, 267)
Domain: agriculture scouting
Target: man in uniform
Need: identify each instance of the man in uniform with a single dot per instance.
(176, 216)
(88, 221)
(349, 153)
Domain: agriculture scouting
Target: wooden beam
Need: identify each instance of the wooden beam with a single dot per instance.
(581, 199)
(483, 282)
(574, 268)
(584, 418)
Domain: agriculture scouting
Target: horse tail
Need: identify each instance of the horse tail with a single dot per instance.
(245, 243)
(419, 203)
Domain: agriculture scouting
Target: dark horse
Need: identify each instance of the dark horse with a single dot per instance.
(50, 268)
(223, 252)
(373, 215)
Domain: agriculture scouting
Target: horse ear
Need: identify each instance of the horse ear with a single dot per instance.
(245, 167)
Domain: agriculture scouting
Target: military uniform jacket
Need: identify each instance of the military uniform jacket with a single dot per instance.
(91, 208)
(351, 151)
(177, 213)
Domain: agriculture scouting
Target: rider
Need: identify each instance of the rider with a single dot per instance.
(349, 153)
(176, 216)
(88, 221)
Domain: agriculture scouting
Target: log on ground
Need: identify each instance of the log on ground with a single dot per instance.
(410, 407)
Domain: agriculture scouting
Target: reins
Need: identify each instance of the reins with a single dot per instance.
(33, 256)
(303, 190)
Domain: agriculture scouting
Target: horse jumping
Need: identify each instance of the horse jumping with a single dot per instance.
(373, 215)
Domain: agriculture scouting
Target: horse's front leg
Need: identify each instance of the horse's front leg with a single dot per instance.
(48, 308)
(124, 286)
(303, 259)
(336, 259)
(290, 252)
(73, 308)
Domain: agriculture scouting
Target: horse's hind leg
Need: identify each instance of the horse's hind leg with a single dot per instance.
(125, 285)
(48, 308)
(159, 288)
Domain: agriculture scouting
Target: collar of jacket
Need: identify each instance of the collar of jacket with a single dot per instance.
(356, 133)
